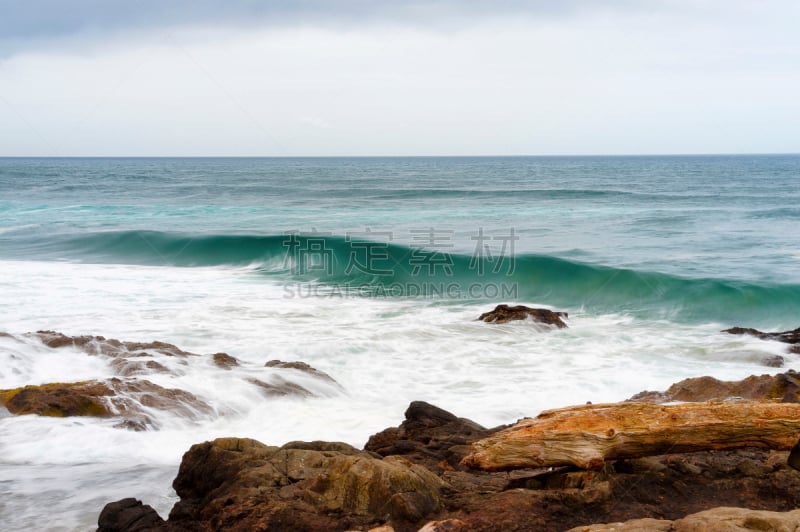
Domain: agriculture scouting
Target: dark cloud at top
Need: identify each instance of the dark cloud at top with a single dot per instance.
(23, 22)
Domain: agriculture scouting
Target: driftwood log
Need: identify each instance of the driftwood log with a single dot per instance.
(586, 436)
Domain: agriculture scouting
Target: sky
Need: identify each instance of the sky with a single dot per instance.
(378, 77)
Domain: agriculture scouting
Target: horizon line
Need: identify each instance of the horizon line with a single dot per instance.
(484, 156)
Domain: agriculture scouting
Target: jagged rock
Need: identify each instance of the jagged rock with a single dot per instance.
(300, 486)
(505, 313)
(717, 519)
(128, 515)
(300, 366)
(784, 387)
(588, 435)
(429, 435)
(224, 360)
(99, 345)
(787, 337)
(111, 397)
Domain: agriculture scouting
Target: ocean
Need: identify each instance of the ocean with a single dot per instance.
(374, 271)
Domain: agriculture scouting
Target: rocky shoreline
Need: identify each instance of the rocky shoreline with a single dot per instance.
(413, 477)
(725, 457)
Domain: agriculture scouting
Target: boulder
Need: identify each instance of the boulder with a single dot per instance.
(429, 435)
(300, 486)
(506, 313)
(128, 515)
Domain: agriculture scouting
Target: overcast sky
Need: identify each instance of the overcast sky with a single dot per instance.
(314, 77)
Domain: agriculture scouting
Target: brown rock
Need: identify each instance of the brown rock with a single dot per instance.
(280, 387)
(112, 397)
(224, 360)
(505, 313)
(300, 366)
(784, 387)
(717, 519)
(99, 345)
(429, 435)
(129, 515)
(588, 435)
(311, 486)
(59, 399)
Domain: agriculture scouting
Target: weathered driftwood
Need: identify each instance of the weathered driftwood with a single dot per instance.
(586, 436)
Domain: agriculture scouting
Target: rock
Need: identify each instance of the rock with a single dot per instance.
(300, 366)
(784, 387)
(787, 337)
(128, 515)
(225, 361)
(59, 399)
(129, 358)
(717, 519)
(112, 397)
(429, 435)
(775, 361)
(588, 435)
(794, 456)
(505, 313)
(280, 387)
(99, 345)
(300, 486)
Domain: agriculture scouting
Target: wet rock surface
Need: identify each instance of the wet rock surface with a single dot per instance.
(133, 399)
(506, 313)
(787, 337)
(125, 398)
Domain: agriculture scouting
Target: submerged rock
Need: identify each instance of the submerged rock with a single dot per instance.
(280, 387)
(224, 360)
(787, 337)
(126, 398)
(59, 399)
(784, 387)
(300, 366)
(505, 313)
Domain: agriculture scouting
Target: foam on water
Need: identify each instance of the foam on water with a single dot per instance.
(383, 352)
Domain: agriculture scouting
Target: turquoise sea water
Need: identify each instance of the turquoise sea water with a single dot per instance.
(374, 271)
(710, 238)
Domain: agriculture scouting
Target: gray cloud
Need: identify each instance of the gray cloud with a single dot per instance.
(30, 22)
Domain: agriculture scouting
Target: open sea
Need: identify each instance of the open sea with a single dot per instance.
(374, 271)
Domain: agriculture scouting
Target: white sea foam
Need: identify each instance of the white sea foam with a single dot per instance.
(383, 353)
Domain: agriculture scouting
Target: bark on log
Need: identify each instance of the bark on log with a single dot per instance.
(586, 436)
